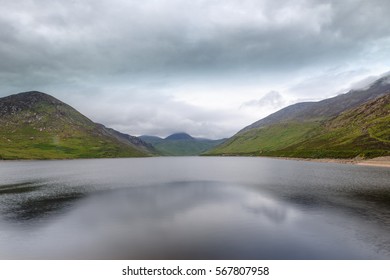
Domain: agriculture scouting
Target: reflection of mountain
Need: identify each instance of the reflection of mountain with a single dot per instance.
(34, 125)
(353, 124)
(181, 144)
(39, 203)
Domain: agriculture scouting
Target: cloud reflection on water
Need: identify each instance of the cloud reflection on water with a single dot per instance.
(180, 220)
(193, 208)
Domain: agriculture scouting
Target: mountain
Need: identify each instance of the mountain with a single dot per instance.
(326, 108)
(180, 144)
(35, 125)
(346, 126)
(180, 136)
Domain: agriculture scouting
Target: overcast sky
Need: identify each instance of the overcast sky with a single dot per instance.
(205, 67)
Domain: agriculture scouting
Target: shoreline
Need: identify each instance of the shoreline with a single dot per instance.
(377, 162)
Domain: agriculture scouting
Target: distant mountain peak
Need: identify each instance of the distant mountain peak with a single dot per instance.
(181, 144)
(179, 136)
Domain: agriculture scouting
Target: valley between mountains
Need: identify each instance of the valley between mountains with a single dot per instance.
(35, 125)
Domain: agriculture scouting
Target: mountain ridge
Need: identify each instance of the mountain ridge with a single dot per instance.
(179, 136)
(325, 108)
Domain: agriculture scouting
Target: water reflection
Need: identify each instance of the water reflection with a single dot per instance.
(181, 220)
(34, 201)
(18, 188)
(213, 214)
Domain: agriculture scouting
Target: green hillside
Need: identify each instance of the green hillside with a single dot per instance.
(181, 144)
(266, 140)
(363, 130)
(34, 125)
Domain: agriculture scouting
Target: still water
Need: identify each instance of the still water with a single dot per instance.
(193, 208)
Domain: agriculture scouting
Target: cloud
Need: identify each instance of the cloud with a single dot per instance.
(332, 82)
(169, 36)
(271, 99)
(156, 112)
(265, 105)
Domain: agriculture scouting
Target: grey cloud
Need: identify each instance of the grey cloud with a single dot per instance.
(330, 83)
(364, 83)
(155, 112)
(111, 37)
(271, 99)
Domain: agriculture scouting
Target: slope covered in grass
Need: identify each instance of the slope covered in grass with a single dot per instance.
(358, 128)
(34, 125)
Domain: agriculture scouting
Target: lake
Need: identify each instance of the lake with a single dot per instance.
(193, 208)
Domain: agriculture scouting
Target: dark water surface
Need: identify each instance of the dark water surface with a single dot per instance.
(193, 208)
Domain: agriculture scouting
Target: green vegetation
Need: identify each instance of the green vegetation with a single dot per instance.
(46, 146)
(34, 125)
(185, 147)
(37, 126)
(363, 131)
(264, 140)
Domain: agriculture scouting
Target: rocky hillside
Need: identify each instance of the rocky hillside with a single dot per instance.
(34, 125)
